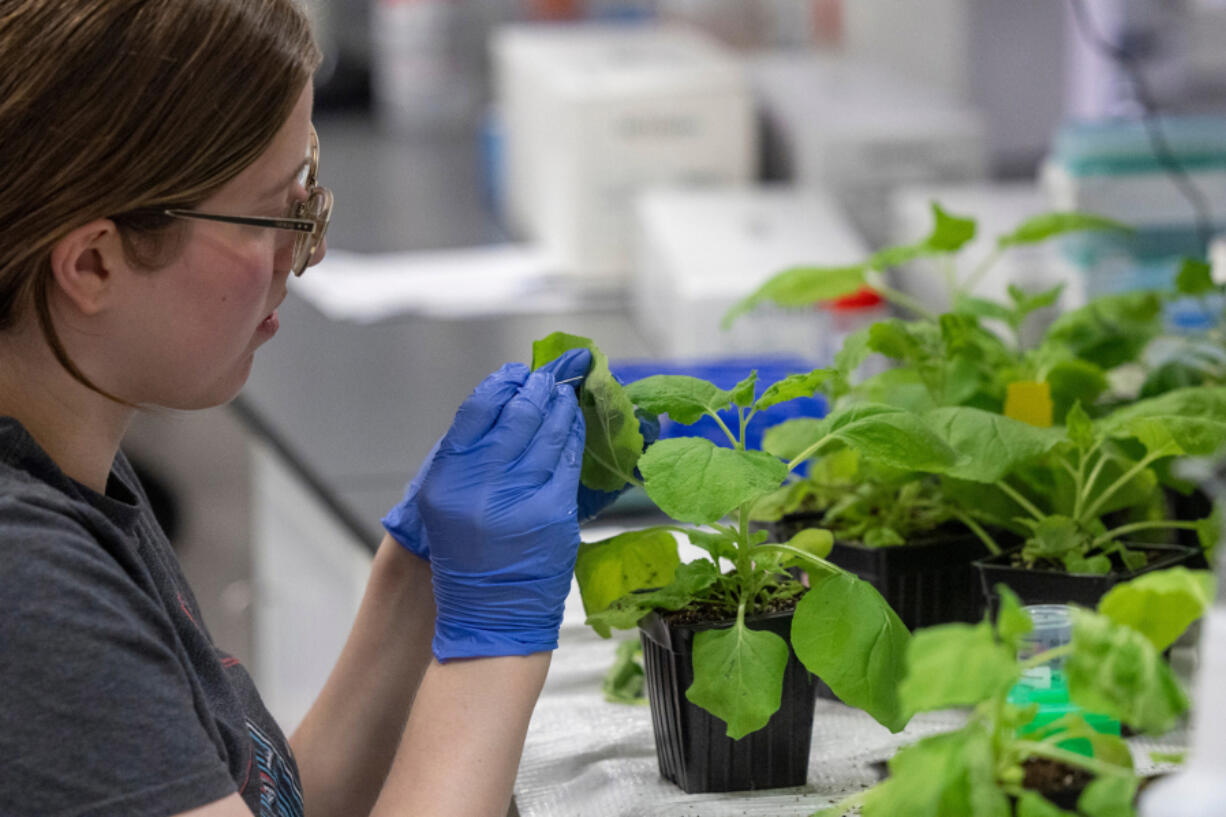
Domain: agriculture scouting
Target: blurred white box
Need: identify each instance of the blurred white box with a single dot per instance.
(698, 252)
(998, 208)
(859, 131)
(593, 113)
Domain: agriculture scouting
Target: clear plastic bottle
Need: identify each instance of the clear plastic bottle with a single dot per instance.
(1199, 788)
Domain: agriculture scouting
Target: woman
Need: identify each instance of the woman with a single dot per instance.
(158, 170)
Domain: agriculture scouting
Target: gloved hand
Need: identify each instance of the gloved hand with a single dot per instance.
(403, 522)
(498, 507)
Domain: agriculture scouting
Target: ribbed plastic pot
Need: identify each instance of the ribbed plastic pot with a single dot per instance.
(928, 581)
(1034, 586)
(692, 745)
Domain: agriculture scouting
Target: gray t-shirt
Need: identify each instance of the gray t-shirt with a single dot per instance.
(113, 698)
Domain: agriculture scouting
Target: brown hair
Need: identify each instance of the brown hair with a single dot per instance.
(121, 108)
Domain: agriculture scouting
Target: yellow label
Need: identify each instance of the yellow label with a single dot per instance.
(1030, 403)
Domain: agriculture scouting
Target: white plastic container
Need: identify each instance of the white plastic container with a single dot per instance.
(594, 113)
(698, 252)
(859, 131)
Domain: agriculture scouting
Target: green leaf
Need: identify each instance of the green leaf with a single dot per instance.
(1053, 537)
(941, 776)
(1033, 804)
(1195, 277)
(742, 393)
(790, 438)
(897, 438)
(1080, 428)
(1188, 421)
(814, 541)
(983, 308)
(738, 676)
(1115, 671)
(800, 286)
(793, 386)
(689, 581)
(1013, 623)
(956, 665)
(1025, 303)
(1072, 381)
(693, 480)
(614, 442)
(846, 634)
(1108, 796)
(1048, 225)
(719, 545)
(683, 398)
(988, 445)
(1160, 605)
(1109, 330)
(611, 568)
(624, 682)
(949, 233)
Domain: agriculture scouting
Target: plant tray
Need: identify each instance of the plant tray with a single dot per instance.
(1056, 587)
(929, 581)
(692, 745)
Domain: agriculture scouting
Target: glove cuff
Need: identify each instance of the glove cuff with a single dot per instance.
(482, 617)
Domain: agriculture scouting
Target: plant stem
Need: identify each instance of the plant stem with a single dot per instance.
(1032, 748)
(1017, 497)
(978, 530)
(809, 452)
(981, 269)
(1053, 654)
(1151, 525)
(877, 281)
(1091, 512)
(801, 554)
(731, 437)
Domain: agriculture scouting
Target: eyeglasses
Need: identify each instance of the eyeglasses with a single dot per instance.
(308, 218)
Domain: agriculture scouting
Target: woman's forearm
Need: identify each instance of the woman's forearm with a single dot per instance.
(346, 742)
(464, 738)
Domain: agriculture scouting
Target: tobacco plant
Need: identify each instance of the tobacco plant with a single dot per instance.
(1113, 667)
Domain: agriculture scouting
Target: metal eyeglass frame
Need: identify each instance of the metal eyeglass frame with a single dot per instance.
(310, 229)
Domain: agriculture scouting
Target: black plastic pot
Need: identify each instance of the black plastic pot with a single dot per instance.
(927, 581)
(1036, 586)
(692, 745)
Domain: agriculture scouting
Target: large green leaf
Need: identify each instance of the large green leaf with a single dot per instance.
(1109, 330)
(614, 442)
(790, 438)
(738, 676)
(800, 286)
(684, 399)
(941, 776)
(1048, 225)
(1160, 605)
(693, 480)
(847, 635)
(897, 438)
(988, 445)
(611, 568)
(689, 582)
(1115, 671)
(1189, 421)
(984, 667)
(1109, 796)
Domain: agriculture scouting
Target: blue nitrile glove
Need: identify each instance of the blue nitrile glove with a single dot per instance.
(403, 522)
(498, 508)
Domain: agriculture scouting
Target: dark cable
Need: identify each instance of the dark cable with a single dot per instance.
(1149, 117)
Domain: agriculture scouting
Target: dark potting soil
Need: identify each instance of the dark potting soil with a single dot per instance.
(714, 613)
(1052, 778)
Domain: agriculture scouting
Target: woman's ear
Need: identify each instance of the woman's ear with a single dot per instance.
(84, 263)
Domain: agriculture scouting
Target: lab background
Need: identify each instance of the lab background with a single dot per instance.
(626, 170)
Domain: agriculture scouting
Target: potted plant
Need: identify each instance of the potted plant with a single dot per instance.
(1074, 550)
(997, 764)
(730, 637)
